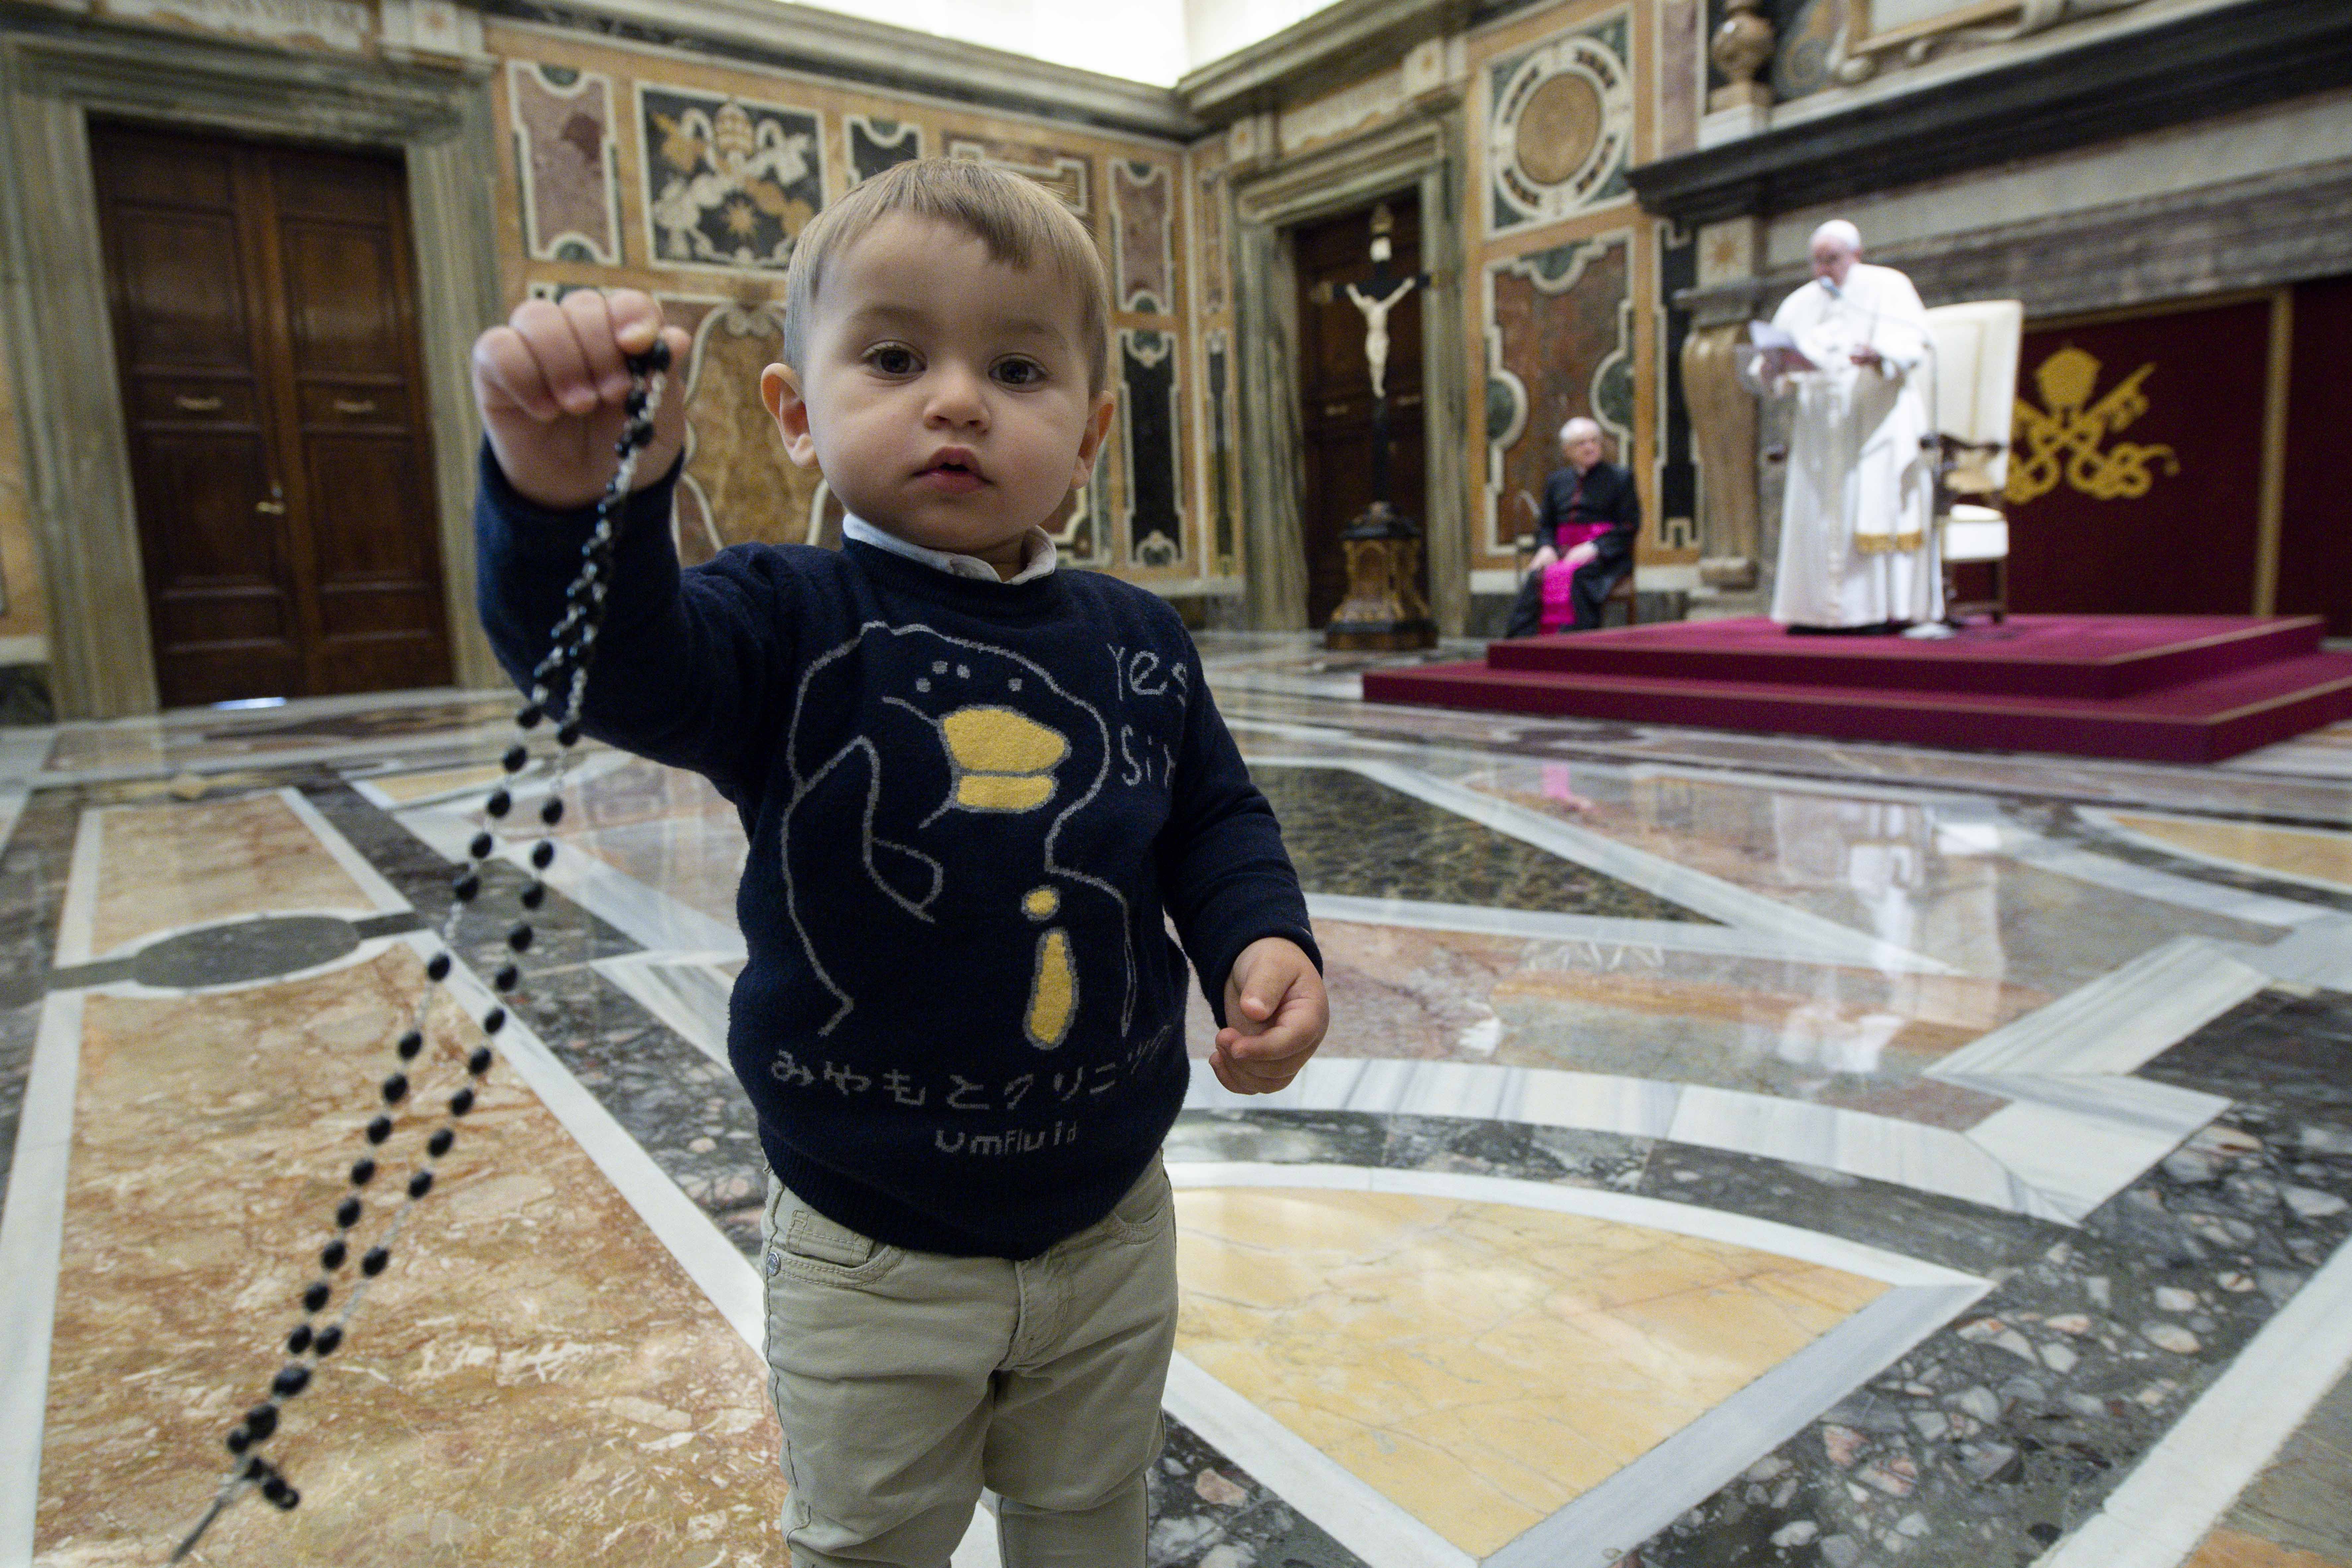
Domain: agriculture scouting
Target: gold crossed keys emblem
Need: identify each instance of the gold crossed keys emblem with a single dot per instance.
(2063, 442)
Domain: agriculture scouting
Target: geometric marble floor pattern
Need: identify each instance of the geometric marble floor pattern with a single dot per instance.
(1727, 1150)
(537, 1379)
(1483, 1365)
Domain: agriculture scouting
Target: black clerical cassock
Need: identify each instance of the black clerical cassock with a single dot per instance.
(1601, 505)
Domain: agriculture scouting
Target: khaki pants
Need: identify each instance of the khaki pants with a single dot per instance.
(906, 1381)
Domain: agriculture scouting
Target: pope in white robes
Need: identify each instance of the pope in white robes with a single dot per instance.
(1857, 543)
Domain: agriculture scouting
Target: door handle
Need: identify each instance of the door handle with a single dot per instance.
(345, 406)
(198, 405)
(274, 508)
(1410, 400)
(1334, 410)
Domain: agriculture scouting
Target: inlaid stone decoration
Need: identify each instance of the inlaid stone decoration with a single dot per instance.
(1560, 343)
(343, 25)
(1210, 226)
(1682, 74)
(1081, 529)
(876, 144)
(1155, 517)
(564, 158)
(1141, 197)
(1560, 127)
(1219, 455)
(1064, 173)
(738, 487)
(729, 183)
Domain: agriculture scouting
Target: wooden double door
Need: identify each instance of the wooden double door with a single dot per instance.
(265, 325)
(1336, 389)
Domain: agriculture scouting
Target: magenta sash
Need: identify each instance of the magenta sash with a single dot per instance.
(1558, 606)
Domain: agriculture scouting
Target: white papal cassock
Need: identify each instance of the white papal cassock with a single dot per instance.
(1856, 546)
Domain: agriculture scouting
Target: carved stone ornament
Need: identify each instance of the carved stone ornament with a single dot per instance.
(1723, 431)
(1740, 49)
(344, 25)
(1875, 30)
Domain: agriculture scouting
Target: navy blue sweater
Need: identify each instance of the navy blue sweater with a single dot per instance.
(969, 803)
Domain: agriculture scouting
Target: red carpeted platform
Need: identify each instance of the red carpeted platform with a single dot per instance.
(2175, 688)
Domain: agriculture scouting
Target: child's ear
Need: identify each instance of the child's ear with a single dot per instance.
(1097, 429)
(780, 389)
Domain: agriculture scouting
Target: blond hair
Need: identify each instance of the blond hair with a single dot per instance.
(1020, 222)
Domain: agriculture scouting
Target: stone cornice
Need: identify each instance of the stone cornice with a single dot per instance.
(2175, 73)
(1337, 44)
(851, 48)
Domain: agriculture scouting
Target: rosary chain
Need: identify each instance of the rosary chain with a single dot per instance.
(559, 685)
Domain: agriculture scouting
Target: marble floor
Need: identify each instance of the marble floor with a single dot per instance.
(1729, 1150)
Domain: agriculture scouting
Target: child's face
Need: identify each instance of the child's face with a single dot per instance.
(944, 395)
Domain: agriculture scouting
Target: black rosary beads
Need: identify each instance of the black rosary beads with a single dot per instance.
(558, 685)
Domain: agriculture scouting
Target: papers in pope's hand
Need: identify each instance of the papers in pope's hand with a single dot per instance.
(1777, 349)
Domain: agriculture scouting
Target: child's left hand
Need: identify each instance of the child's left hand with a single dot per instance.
(1275, 1014)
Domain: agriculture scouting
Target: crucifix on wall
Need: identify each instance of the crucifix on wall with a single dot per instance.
(1376, 328)
(1375, 307)
(1384, 607)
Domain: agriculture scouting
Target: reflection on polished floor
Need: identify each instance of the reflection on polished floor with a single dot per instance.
(1729, 1150)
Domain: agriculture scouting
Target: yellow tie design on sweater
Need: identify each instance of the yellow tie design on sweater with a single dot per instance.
(1004, 761)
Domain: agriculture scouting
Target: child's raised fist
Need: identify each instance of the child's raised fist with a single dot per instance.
(551, 382)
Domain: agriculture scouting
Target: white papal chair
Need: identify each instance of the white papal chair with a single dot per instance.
(1975, 396)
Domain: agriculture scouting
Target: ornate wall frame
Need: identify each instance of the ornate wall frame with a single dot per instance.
(1422, 151)
(60, 341)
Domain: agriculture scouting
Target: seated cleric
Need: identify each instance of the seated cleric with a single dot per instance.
(1590, 515)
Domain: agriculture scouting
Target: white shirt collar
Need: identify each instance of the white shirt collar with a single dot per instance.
(1038, 555)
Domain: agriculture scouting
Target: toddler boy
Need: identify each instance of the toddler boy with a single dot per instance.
(972, 784)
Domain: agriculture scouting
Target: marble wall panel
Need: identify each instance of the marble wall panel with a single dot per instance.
(565, 157)
(1142, 198)
(1674, 520)
(1148, 431)
(875, 144)
(1210, 279)
(1217, 370)
(24, 606)
(1560, 343)
(1082, 529)
(1682, 74)
(729, 182)
(739, 487)
(734, 490)
(1068, 175)
(1560, 129)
